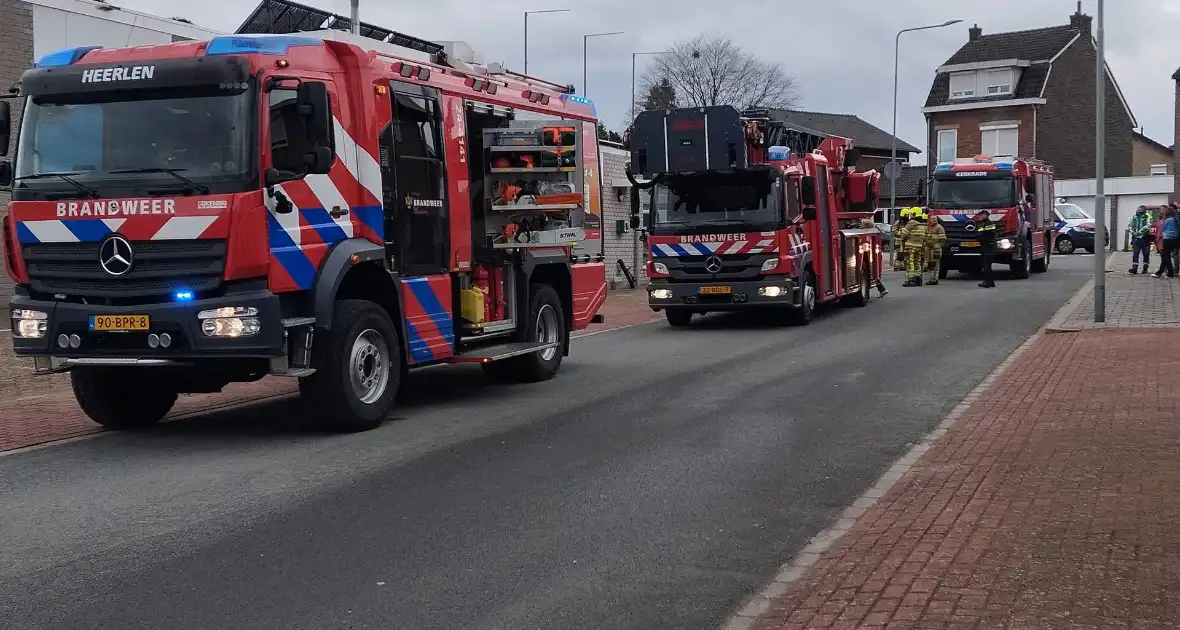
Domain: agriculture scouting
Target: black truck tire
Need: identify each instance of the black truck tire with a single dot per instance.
(358, 365)
(1041, 265)
(122, 398)
(801, 315)
(678, 317)
(546, 321)
(1022, 267)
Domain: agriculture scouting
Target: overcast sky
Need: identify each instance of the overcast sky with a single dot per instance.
(839, 51)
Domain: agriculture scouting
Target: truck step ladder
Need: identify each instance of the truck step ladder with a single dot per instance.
(499, 352)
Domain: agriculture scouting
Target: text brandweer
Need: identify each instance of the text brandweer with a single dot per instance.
(124, 207)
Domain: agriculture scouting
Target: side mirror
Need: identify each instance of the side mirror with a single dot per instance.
(809, 213)
(5, 173)
(851, 157)
(1030, 198)
(807, 191)
(272, 177)
(634, 222)
(319, 160)
(5, 126)
(316, 112)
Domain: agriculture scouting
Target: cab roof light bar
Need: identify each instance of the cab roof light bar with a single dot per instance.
(258, 44)
(64, 57)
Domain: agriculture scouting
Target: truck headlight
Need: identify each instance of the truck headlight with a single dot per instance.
(771, 292)
(661, 294)
(659, 268)
(230, 321)
(1004, 244)
(769, 265)
(29, 324)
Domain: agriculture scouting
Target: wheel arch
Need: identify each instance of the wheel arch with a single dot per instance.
(558, 276)
(343, 277)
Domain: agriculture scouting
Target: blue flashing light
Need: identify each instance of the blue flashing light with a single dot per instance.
(258, 44)
(944, 166)
(778, 153)
(64, 57)
(1004, 166)
(184, 295)
(581, 100)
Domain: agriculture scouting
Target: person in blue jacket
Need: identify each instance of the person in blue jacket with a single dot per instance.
(1169, 235)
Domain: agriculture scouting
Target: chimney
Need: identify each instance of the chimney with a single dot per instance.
(1080, 21)
(974, 33)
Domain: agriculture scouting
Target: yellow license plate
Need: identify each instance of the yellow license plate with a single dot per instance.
(119, 323)
(713, 290)
(969, 244)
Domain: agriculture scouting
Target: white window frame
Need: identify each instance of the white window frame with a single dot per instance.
(999, 82)
(1159, 169)
(998, 128)
(954, 133)
(964, 90)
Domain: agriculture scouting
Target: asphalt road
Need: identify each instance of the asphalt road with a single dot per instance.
(660, 479)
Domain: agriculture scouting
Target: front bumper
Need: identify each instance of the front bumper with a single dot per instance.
(764, 292)
(178, 319)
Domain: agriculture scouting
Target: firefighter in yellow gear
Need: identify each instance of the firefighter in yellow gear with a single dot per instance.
(903, 216)
(935, 240)
(913, 243)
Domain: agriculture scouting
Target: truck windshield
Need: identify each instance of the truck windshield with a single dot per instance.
(743, 199)
(976, 192)
(146, 142)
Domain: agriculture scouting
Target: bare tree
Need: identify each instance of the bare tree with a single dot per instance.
(715, 71)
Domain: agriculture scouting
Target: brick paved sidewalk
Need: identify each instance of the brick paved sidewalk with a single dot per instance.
(41, 409)
(1050, 498)
(1132, 301)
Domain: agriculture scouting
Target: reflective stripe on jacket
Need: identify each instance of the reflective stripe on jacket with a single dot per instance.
(913, 235)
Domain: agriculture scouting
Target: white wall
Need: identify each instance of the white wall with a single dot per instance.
(1131, 192)
(59, 24)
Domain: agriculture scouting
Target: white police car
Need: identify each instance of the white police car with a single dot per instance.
(1074, 228)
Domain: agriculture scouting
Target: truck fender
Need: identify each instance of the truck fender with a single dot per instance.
(336, 265)
(801, 266)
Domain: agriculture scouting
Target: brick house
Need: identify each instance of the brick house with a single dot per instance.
(873, 142)
(32, 28)
(1032, 94)
(1149, 157)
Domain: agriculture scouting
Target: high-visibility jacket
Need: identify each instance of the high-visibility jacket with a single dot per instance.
(913, 235)
(1140, 225)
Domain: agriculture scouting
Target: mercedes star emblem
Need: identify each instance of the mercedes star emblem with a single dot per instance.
(115, 256)
(970, 227)
(713, 264)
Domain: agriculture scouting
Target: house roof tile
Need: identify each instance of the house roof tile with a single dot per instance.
(909, 186)
(1032, 81)
(862, 133)
(1038, 44)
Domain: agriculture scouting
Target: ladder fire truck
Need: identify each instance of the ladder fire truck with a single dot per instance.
(1018, 196)
(751, 213)
(319, 205)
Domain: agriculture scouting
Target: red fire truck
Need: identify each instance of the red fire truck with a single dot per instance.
(1017, 194)
(315, 205)
(747, 212)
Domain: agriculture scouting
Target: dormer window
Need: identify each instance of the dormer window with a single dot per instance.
(963, 84)
(999, 82)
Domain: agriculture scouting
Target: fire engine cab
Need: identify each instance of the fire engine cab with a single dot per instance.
(318, 205)
(751, 213)
(1018, 196)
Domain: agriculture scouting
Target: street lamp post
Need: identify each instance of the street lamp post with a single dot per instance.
(1100, 173)
(526, 32)
(893, 141)
(631, 114)
(585, 39)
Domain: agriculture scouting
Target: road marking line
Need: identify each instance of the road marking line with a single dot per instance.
(239, 405)
(760, 603)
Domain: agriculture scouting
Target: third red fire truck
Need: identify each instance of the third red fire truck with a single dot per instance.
(1018, 196)
(751, 213)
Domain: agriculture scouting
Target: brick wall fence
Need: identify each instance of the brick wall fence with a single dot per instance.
(613, 210)
(16, 56)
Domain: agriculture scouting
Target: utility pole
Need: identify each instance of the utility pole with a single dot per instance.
(1100, 174)
(356, 17)
(526, 32)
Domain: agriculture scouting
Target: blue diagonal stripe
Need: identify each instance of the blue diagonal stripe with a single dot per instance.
(24, 234)
(289, 255)
(434, 309)
(680, 251)
(373, 217)
(322, 223)
(419, 351)
(87, 230)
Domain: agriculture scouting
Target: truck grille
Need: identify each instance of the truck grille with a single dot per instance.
(160, 268)
(733, 267)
